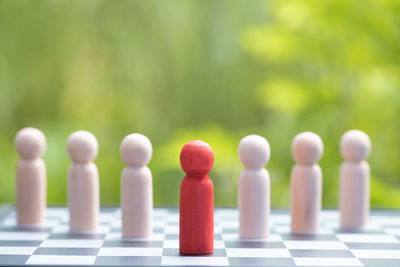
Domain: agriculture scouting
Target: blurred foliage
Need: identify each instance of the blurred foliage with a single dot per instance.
(201, 69)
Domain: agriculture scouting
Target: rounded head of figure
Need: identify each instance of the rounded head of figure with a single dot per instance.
(30, 143)
(136, 150)
(355, 145)
(307, 148)
(254, 152)
(197, 158)
(82, 147)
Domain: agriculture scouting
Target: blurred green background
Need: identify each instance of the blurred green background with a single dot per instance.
(210, 70)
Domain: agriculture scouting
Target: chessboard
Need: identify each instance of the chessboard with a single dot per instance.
(53, 244)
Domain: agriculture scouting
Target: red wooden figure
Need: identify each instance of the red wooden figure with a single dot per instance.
(196, 222)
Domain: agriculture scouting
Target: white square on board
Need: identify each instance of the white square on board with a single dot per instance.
(376, 254)
(366, 238)
(258, 252)
(130, 251)
(17, 250)
(327, 262)
(72, 243)
(23, 236)
(303, 244)
(193, 261)
(60, 260)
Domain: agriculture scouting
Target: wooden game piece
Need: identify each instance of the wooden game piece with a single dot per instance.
(254, 188)
(83, 182)
(196, 213)
(30, 177)
(136, 187)
(306, 183)
(355, 147)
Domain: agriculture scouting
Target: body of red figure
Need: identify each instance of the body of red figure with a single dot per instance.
(196, 222)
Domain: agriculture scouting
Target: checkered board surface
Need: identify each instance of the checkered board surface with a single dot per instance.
(377, 245)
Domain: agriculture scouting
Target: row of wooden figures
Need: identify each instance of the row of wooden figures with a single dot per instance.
(196, 159)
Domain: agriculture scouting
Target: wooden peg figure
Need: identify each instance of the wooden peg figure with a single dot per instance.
(254, 188)
(30, 177)
(136, 187)
(355, 147)
(83, 182)
(306, 183)
(196, 213)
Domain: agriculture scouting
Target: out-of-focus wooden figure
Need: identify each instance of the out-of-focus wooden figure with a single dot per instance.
(355, 147)
(254, 188)
(83, 182)
(31, 177)
(306, 183)
(136, 187)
